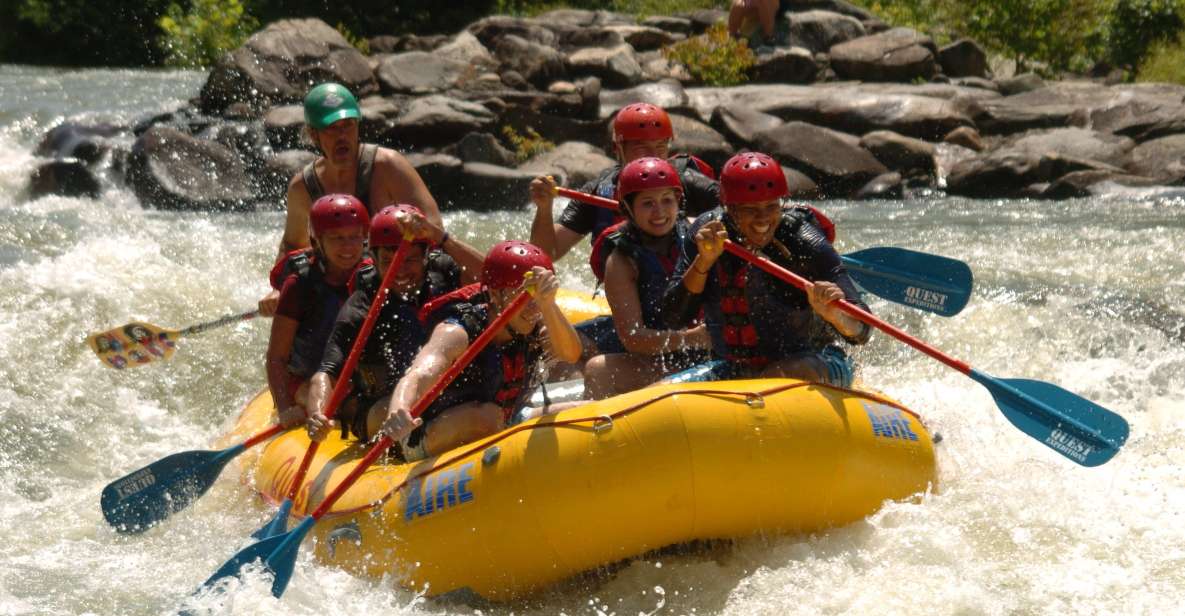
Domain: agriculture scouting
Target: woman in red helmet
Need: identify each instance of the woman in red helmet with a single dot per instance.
(310, 297)
(436, 264)
(760, 326)
(635, 260)
(484, 398)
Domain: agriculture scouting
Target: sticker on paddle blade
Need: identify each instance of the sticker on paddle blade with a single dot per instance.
(132, 345)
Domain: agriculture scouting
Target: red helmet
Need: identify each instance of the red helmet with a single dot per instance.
(385, 230)
(506, 263)
(336, 212)
(647, 173)
(752, 177)
(642, 122)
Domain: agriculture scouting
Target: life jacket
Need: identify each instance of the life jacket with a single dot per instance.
(654, 270)
(314, 329)
(682, 162)
(604, 217)
(366, 155)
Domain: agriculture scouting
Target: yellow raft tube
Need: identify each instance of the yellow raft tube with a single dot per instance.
(559, 495)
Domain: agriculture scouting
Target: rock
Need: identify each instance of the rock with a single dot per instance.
(171, 170)
(578, 18)
(794, 65)
(1022, 112)
(1087, 183)
(386, 44)
(590, 97)
(674, 25)
(833, 6)
(484, 187)
(490, 30)
(801, 187)
(277, 64)
(698, 139)
(645, 38)
(420, 72)
(378, 113)
(910, 157)
(916, 116)
(875, 26)
(464, 47)
(591, 37)
(668, 94)
(515, 80)
(484, 148)
(976, 82)
(818, 31)
(440, 172)
(963, 58)
(555, 128)
(84, 143)
(574, 161)
(965, 136)
(884, 186)
(284, 126)
(899, 54)
(246, 139)
(438, 120)
(835, 161)
(946, 157)
(1020, 84)
(656, 67)
(563, 87)
(703, 19)
(65, 177)
(1075, 143)
(741, 125)
(1162, 159)
(1143, 119)
(1000, 174)
(278, 171)
(537, 63)
(616, 67)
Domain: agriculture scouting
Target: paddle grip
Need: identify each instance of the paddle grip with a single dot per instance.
(855, 311)
(342, 387)
(608, 204)
(425, 400)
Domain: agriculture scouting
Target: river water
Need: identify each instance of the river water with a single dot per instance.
(1083, 293)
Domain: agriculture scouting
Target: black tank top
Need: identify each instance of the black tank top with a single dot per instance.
(366, 155)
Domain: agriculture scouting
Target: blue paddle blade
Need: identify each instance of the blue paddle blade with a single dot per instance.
(278, 524)
(916, 279)
(256, 552)
(1064, 421)
(282, 560)
(136, 502)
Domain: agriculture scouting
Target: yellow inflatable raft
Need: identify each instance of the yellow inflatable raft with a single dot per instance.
(563, 494)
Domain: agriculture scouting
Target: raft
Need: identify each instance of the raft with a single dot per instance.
(559, 495)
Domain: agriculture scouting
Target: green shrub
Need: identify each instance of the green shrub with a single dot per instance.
(714, 58)
(210, 29)
(1135, 25)
(1165, 61)
(526, 146)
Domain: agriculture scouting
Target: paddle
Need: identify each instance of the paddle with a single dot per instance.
(279, 523)
(139, 500)
(278, 552)
(137, 343)
(936, 284)
(1065, 422)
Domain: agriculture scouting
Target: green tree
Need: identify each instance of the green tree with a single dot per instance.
(80, 32)
(209, 29)
(1135, 25)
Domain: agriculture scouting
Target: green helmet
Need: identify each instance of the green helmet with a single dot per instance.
(327, 103)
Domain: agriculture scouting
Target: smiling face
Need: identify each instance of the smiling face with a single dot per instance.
(756, 221)
(342, 247)
(655, 211)
(338, 141)
(411, 272)
(628, 151)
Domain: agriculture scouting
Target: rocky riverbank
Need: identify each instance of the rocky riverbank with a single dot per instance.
(852, 107)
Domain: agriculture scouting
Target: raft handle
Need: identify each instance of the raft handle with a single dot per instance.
(602, 424)
(755, 400)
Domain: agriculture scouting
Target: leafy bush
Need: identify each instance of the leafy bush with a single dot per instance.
(358, 42)
(714, 58)
(80, 32)
(526, 146)
(210, 29)
(1165, 61)
(1135, 25)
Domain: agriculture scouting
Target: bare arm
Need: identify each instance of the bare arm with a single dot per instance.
(279, 348)
(562, 340)
(447, 342)
(296, 221)
(621, 289)
(555, 239)
(396, 181)
(320, 388)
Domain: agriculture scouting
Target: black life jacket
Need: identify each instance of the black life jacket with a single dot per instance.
(366, 155)
(313, 332)
(654, 270)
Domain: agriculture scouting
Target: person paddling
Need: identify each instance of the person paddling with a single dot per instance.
(759, 326)
(635, 260)
(485, 397)
(310, 297)
(436, 264)
(375, 175)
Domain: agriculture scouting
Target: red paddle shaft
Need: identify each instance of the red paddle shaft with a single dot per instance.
(608, 204)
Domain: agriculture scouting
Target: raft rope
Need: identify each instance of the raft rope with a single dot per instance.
(603, 422)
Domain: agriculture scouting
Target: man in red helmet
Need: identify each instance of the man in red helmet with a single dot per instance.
(639, 130)
(759, 325)
(376, 176)
(311, 294)
(436, 264)
(488, 393)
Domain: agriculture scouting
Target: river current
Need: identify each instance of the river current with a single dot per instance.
(1083, 293)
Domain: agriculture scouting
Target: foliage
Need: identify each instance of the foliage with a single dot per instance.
(210, 29)
(358, 42)
(80, 32)
(714, 58)
(526, 146)
(1135, 25)
(1165, 61)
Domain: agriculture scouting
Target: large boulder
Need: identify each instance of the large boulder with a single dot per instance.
(668, 94)
(490, 30)
(1143, 117)
(484, 148)
(169, 169)
(85, 143)
(575, 162)
(793, 65)
(616, 67)
(675, 25)
(922, 117)
(277, 64)
(537, 63)
(899, 54)
(464, 47)
(580, 18)
(438, 120)
(483, 186)
(66, 177)
(420, 72)
(742, 124)
(699, 139)
(284, 126)
(1077, 143)
(833, 6)
(910, 157)
(963, 58)
(440, 172)
(645, 38)
(272, 181)
(1162, 159)
(1093, 182)
(1000, 174)
(818, 31)
(835, 161)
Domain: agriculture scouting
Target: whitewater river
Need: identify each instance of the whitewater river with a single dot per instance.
(1083, 293)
